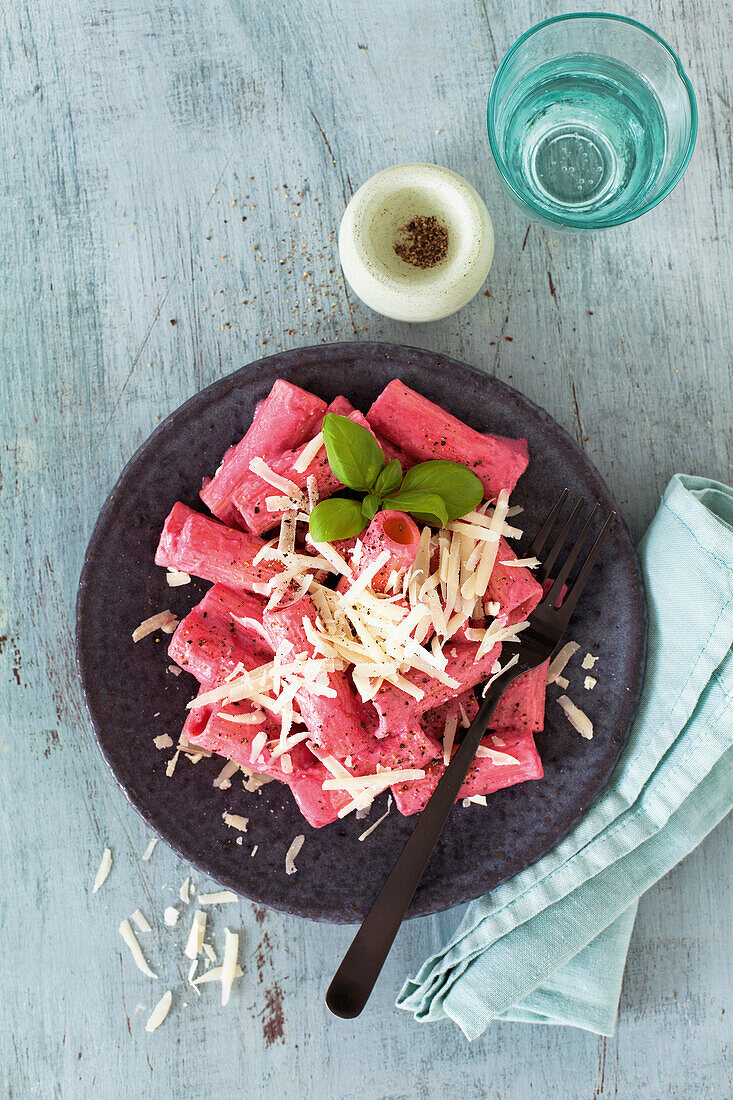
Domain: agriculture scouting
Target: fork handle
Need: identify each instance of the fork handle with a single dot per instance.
(354, 980)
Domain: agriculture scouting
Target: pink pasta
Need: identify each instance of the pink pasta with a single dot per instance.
(397, 710)
(396, 533)
(285, 419)
(206, 548)
(522, 706)
(250, 497)
(211, 642)
(338, 723)
(338, 659)
(425, 431)
(484, 776)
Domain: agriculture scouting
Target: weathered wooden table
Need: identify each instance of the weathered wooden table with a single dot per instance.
(173, 177)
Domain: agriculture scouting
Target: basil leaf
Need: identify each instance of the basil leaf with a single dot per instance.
(353, 453)
(390, 478)
(459, 487)
(370, 505)
(428, 507)
(336, 518)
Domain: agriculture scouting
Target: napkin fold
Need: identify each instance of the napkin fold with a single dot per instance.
(549, 946)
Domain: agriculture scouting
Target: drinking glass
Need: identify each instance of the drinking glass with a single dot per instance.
(592, 120)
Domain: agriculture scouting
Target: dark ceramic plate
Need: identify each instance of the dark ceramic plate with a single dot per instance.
(131, 697)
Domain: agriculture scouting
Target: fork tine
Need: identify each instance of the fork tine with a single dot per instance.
(579, 584)
(564, 573)
(541, 537)
(551, 557)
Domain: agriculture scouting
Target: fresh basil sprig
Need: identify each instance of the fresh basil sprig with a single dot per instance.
(433, 492)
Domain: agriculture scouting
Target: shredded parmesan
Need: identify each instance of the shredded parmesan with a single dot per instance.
(215, 975)
(560, 660)
(170, 916)
(176, 578)
(291, 853)
(163, 741)
(562, 682)
(378, 822)
(589, 683)
(160, 1011)
(588, 661)
(577, 719)
(150, 849)
(135, 950)
(521, 563)
(234, 821)
(171, 765)
(103, 870)
(475, 800)
(195, 941)
(160, 621)
(184, 892)
(141, 921)
(449, 735)
(309, 452)
(502, 759)
(224, 779)
(220, 897)
(229, 964)
(259, 466)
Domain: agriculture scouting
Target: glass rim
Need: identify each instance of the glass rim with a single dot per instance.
(602, 223)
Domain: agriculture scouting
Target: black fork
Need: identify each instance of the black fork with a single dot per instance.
(354, 980)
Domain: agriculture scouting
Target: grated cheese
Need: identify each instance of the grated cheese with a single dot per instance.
(103, 870)
(141, 921)
(309, 452)
(163, 741)
(312, 492)
(449, 735)
(588, 661)
(475, 800)
(183, 893)
(229, 964)
(150, 849)
(160, 621)
(234, 821)
(215, 974)
(560, 660)
(562, 682)
(171, 915)
(223, 780)
(497, 670)
(220, 897)
(577, 719)
(254, 850)
(171, 765)
(176, 578)
(135, 950)
(195, 941)
(160, 1011)
(255, 718)
(502, 759)
(378, 782)
(259, 466)
(291, 853)
(521, 563)
(589, 683)
(364, 579)
(175, 670)
(378, 822)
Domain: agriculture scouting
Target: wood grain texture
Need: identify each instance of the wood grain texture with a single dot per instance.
(173, 177)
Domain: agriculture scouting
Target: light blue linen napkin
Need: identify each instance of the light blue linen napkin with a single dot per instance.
(550, 945)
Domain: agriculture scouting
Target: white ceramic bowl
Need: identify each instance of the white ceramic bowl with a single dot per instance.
(370, 227)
